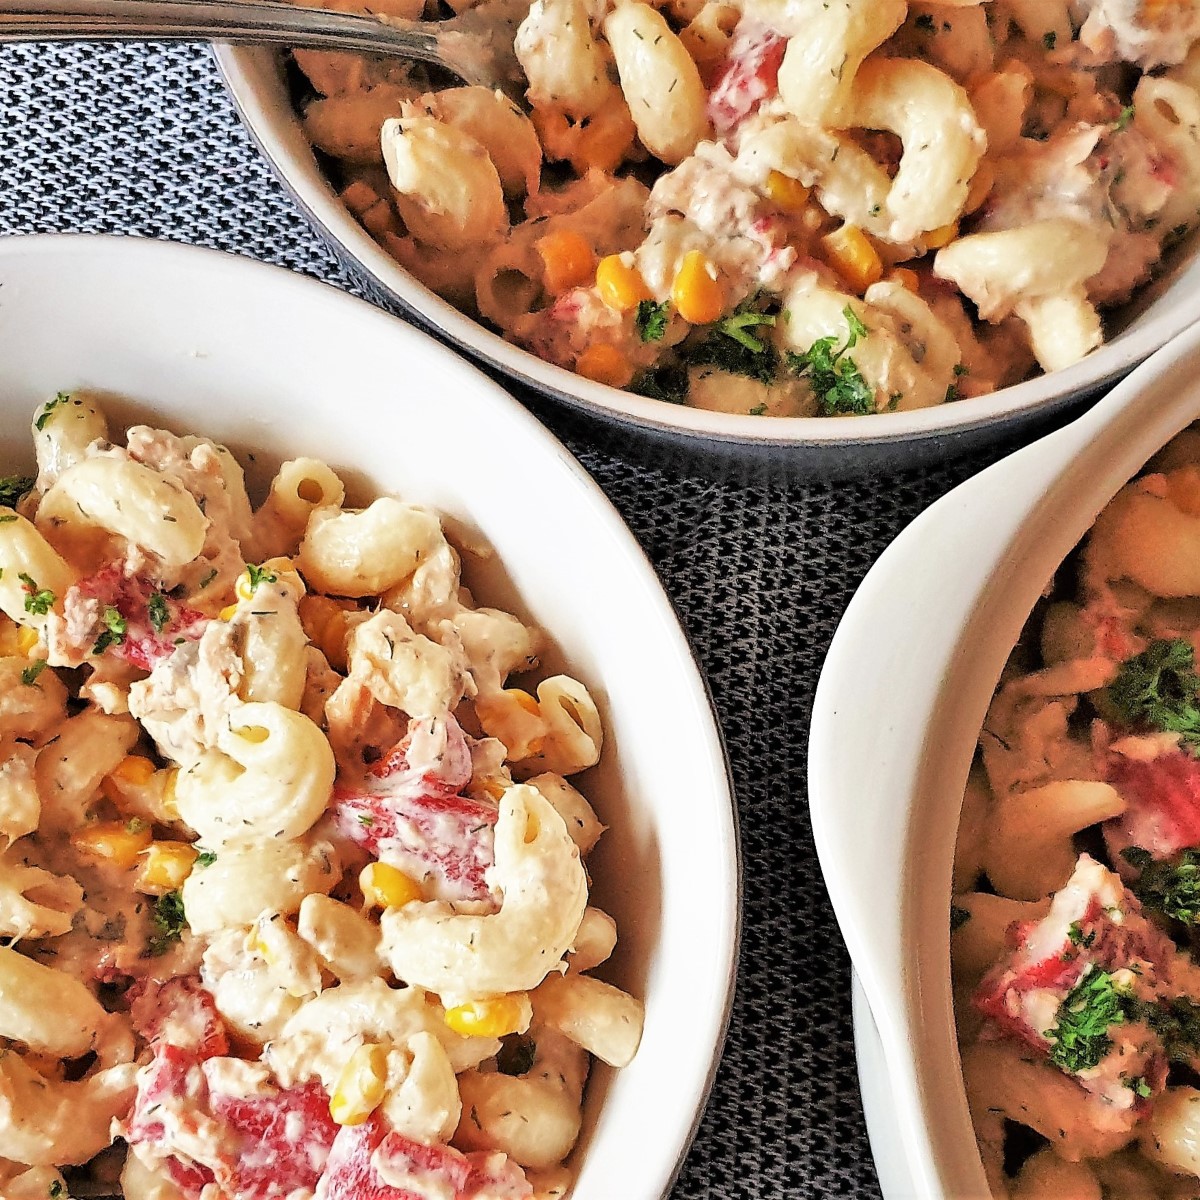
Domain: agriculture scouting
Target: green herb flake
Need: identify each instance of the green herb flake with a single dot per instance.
(1157, 690)
(1080, 1037)
(738, 325)
(135, 825)
(666, 381)
(650, 320)
(759, 410)
(156, 608)
(56, 1190)
(837, 382)
(1077, 937)
(260, 575)
(37, 600)
(168, 922)
(206, 580)
(1127, 114)
(206, 858)
(366, 820)
(48, 409)
(925, 23)
(114, 630)
(1049, 39)
(30, 675)
(13, 489)
(958, 917)
(1171, 887)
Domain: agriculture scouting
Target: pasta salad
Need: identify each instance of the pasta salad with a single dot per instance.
(1076, 915)
(292, 888)
(784, 207)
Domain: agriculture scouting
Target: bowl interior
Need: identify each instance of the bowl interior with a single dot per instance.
(257, 82)
(933, 624)
(275, 365)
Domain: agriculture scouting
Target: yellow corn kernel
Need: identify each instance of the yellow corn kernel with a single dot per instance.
(497, 1017)
(360, 1087)
(494, 787)
(906, 278)
(168, 795)
(849, 251)
(116, 841)
(27, 639)
(604, 363)
(567, 260)
(788, 193)
(226, 614)
(165, 865)
(935, 239)
(697, 294)
(524, 700)
(620, 284)
(132, 772)
(385, 886)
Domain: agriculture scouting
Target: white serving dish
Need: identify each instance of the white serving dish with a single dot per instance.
(808, 446)
(898, 709)
(278, 364)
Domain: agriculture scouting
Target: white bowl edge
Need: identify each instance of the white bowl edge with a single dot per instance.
(259, 357)
(256, 85)
(931, 628)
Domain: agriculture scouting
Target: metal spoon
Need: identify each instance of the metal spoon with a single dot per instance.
(476, 46)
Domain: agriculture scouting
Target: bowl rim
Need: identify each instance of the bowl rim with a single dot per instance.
(173, 261)
(247, 73)
(1007, 530)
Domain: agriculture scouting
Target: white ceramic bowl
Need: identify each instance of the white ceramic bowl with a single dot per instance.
(809, 446)
(278, 365)
(898, 710)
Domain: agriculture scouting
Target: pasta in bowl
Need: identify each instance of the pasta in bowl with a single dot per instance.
(679, 207)
(291, 856)
(1045, 1009)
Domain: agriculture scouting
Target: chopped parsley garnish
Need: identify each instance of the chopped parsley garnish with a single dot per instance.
(650, 320)
(1077, 937)
(958, 917)
(924, 22)
(731, 346)
(260, 575)
(13, 488)
(206, 858)
(168, 922)
(1125, 117)
(1171, 886)
(366, 820)
(1080, 1039)
(37, 600)
(1049, 39)
(30, 674)
(1157, 689)
(837, 382)
(666, 381)
(113, 633)
(1138, 1085)
(156, 608)
(206, 580)
(135, 825)
(56, 1190)
(1176, 1021)
(48, 409)
(516, 1056)
(739, 324)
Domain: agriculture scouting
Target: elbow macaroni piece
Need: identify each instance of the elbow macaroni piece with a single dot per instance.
(566, 67)
(545, 893)
(271, 778)
(62, 432)
(131, 500)
(364, 553)
(29, 568)
(661, 83)
(446, 188)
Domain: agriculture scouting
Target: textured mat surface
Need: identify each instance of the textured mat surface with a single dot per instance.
(143, 140)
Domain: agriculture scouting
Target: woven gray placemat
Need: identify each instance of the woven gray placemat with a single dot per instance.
(143, 140)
